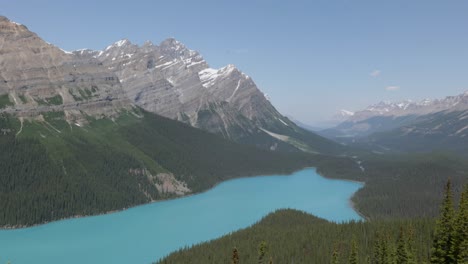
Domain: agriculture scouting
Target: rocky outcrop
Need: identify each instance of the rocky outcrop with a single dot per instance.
(39, 77)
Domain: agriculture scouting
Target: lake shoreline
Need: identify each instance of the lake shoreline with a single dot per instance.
(17, 227)
(166, 227)
(351, 202)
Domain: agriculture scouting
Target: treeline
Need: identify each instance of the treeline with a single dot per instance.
(53, 170)
(289, 236)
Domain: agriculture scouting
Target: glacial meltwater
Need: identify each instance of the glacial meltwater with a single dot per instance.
(149, 232)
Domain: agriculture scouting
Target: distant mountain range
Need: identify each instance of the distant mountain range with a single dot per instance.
(428, 125)
(167, 79)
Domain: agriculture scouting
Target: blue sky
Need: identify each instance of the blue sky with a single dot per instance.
(312, 58)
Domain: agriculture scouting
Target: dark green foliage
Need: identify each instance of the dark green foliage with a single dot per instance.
(297, 237)
(400, 186)
(85, 94)
(55, 100)
(37, 186)
(410, 250)
(335, 256)
(77, 98)
(402, 249)
(262, 251)
(353, 255)
(5, 101)
(55, 170)
(459, 250)
(202, 159)
(381, 253)
(443, 234)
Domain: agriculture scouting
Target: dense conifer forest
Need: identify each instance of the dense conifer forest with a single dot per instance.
(405, 186)
(52, 170)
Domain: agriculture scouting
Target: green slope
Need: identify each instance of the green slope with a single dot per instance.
(53, 170)
(403, 186)
(298, 138)
(287, 136)
(296, 237)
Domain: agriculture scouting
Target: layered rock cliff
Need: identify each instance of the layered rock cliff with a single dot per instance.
(38, 77)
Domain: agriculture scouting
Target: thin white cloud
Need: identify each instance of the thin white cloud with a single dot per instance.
(375, 73)
(392, 88)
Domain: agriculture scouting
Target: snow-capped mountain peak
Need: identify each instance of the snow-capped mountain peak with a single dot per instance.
(119, 43)
(409, 107)
(344, 112)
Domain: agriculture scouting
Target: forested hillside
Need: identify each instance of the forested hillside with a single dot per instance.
(52, 169)
(400, 186)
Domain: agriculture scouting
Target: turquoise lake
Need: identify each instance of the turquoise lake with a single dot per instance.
(149, 232)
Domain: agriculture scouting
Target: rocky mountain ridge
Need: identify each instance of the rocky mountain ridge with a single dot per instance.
(167, 79)
(178, 83)
(428, 125)
(37, 77)
(409, 107)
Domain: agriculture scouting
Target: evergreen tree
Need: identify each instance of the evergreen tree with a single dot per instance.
(377, 250)
(382, 250)
(410, 246)
(459, 249)
(335, 259)
(401, 252)
(353, 256)
(392, 252)
(262, 250)
(443, 233)
(235, 256)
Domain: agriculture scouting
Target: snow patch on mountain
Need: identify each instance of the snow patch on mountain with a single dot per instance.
(209, 76)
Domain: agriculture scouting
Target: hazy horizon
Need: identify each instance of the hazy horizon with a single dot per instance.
(312, 59)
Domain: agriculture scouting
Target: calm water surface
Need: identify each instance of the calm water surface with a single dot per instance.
(146, 233)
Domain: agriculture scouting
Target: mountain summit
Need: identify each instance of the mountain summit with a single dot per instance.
(38, 77)
(171, 80)
(167, 79)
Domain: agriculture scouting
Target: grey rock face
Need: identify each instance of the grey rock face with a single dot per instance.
(176, 82)
(167, 79)
(39, 77)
